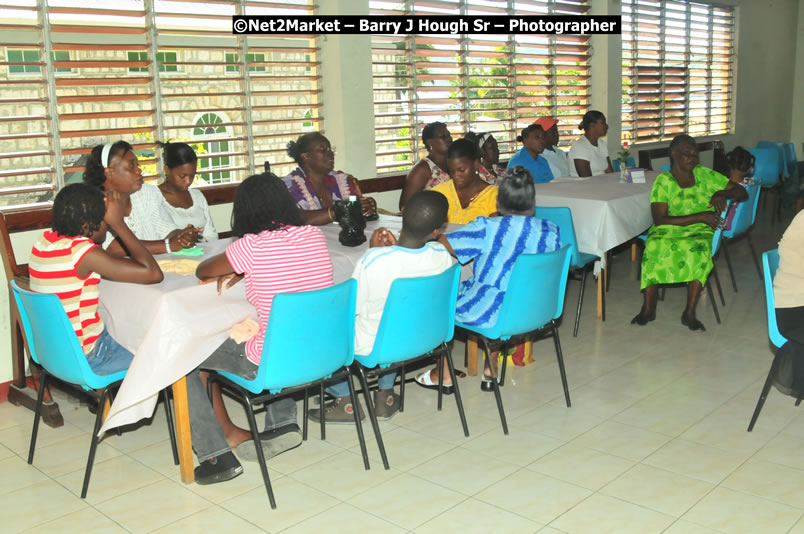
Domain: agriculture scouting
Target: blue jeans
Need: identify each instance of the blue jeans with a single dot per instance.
(341, 389)
(108, 356)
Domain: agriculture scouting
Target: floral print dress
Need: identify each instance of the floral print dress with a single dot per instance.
(675, 254)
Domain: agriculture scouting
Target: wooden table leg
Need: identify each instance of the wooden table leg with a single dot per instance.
(107, 405)
(633, 251)
(600, 278)
(183, 438)
(471, 351)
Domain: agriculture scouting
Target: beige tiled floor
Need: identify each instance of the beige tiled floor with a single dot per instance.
(655, 441)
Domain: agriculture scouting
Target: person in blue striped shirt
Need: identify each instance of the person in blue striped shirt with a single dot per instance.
(494, 244)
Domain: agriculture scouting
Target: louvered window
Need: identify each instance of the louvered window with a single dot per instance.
(144, 70)
(486, 83)
(678, 68)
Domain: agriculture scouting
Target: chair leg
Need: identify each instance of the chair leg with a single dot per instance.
(580, 301)
(495, 386)
(561, 368)
(304, 416)
(714, 304)
(255, 434)
(372, 416)
(358, 425)
(728, 262)
(402, 389)
(37, 412)
(661, 293)
(171, 427)
(762, 396)
(94, 443)
(717, 283)
(451, 366)
(322, 411)
(798, 401)
(754, 254)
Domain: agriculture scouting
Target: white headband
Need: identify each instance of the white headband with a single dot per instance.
(105, 154)
(483, 139)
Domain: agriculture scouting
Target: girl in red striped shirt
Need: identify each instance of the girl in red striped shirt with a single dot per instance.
(68, 262)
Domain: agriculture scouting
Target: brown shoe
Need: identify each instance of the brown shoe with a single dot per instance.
(338, 411)
(386, 404)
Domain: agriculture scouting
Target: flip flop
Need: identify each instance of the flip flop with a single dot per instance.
(425, 381)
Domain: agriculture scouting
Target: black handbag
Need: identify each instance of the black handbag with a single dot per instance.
(349, 215)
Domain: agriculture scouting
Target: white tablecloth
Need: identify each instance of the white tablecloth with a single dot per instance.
(606, 213)
(173, 326)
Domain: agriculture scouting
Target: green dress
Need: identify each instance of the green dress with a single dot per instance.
(675, 254)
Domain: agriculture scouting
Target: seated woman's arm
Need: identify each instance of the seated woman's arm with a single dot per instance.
(583, 167)
(177, 239)
(733, 191)
(659, 212)
(415, 181)
(318, 217)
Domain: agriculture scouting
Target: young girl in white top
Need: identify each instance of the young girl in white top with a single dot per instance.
(589, 156)
(179, 205)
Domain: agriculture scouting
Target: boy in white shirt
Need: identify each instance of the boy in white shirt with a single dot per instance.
(415, 253)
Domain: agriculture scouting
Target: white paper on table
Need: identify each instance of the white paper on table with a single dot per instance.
(637, 176)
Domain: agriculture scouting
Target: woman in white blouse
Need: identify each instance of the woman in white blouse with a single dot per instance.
(180, 206)
(114, 167)
(589, 156)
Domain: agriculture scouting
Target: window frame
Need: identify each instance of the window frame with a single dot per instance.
(540, 75)
(677, 98)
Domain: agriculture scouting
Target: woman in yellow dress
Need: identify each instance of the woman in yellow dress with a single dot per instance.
(469, 196)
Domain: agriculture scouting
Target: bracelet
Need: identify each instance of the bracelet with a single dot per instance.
(167, 245)
(331, 215)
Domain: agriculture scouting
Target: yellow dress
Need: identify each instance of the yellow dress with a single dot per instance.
(483, 205)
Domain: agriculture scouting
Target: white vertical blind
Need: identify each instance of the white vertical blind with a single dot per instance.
(678, 65)
(484, 83)
(131, 69)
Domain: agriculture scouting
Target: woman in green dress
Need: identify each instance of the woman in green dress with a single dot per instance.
(686, 204)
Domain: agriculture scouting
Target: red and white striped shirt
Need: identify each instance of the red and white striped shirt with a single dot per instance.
(53, 264)
(289, 260)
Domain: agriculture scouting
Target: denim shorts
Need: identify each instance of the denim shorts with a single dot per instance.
(108, 356)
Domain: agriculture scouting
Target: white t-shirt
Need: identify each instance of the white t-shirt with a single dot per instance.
(170, 218)
(144, 207)
(375, 272)
(597, 156)
(557, 159)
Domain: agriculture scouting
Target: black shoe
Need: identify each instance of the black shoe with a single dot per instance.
(486, 385)
(281, 439)
(218, 469)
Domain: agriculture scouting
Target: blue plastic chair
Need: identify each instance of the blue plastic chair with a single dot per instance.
(744, 216)
(533, 301)
(770, 262)
(780, 154)
(410, 331)
(562, 217)
(281, 371)
(53, 345)
(630, 163)
(767, 171)
(665, 168)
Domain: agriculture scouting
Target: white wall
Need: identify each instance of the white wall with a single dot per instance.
(797, 118)
(770, 72)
